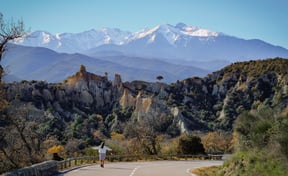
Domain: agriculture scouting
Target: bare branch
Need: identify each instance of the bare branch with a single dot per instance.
(9, 30)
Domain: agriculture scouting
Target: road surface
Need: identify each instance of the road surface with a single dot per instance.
(151, 168)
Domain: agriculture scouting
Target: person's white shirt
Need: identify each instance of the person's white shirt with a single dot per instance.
(102, 150)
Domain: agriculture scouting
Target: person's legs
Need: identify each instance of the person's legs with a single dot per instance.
(102, 158)
(102, 163)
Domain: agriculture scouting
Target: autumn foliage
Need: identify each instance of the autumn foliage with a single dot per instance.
(217, 142)
(55, 149)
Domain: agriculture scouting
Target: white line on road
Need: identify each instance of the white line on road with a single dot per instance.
(134, 170)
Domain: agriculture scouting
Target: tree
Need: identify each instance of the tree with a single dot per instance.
(144, 136)
(22, 136)
(9, 30)
(159, 77)
(190, 144)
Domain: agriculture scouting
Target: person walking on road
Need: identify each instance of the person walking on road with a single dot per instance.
(102, 149)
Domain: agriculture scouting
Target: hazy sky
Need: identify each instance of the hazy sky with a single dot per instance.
(262, 19)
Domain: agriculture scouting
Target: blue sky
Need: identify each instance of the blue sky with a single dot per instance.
(262, 19)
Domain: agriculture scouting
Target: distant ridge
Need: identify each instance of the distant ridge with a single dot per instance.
(36, 63)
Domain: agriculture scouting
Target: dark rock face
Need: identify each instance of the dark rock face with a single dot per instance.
(208, 103)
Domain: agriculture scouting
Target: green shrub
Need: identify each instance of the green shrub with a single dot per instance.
(263, 138)
(255, 162)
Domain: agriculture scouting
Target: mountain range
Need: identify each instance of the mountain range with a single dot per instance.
(175, 52)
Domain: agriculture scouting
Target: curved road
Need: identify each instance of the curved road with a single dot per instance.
(152, 168)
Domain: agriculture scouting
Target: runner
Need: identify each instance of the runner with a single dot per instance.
(102, 149)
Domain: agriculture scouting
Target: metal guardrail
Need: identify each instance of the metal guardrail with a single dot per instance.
(79, 161)
(40, 169)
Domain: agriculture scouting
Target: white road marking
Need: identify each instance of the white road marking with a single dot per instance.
(134, 170)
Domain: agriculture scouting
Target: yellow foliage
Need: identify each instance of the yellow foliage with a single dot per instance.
(55, 149)
(159, 138)
(117, 136)
(51, 141)
(169, 146)
(217, 142)
(207, 171)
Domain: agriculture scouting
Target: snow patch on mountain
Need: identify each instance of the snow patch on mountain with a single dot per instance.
(196, 31)
(173, 33)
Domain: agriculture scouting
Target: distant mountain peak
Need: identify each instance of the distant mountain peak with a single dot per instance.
(181, 25)
(173, 33)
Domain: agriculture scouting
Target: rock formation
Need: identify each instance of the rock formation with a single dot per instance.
(208, 103)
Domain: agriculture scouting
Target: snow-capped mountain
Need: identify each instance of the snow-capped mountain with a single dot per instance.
(74, 43)
(176, 46)
(181, 42)
(192, 51)
(173, 33)
(80, 42)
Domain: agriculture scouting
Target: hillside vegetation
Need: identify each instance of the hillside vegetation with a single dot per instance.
(263, 144)
(262, 147)
(134, 117)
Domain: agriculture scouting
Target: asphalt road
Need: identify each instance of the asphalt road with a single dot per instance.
(151, 168)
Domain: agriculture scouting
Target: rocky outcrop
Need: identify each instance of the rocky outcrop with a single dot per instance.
(83, 93)
(213, 102)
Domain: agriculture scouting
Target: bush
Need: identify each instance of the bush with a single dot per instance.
(217, 142)
(263, 145)
(190, 145)
(254, 162)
